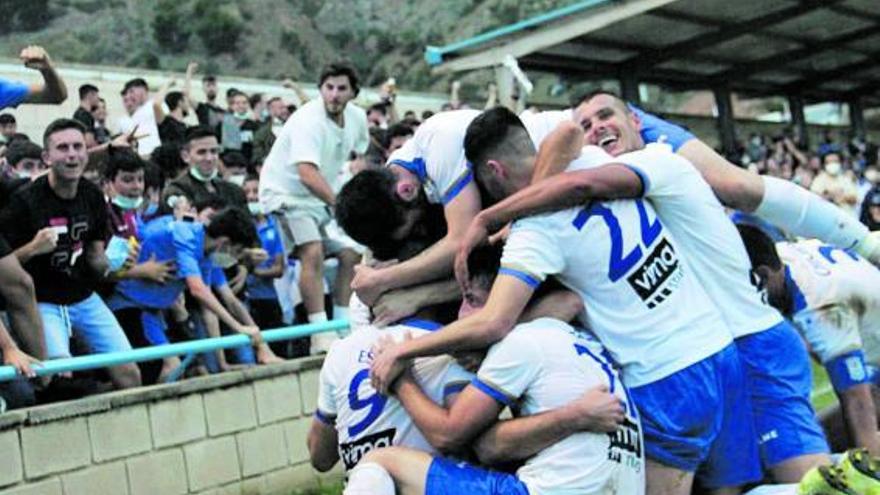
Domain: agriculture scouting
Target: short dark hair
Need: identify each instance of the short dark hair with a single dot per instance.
(761, 249)
(254, 99)
(197, 132)
(340, 69)
(137, 82)
(273, 100)
(234, 159)
(233, 92)
(21, 150)
(400, 129)
(210, 201)
(236, 224)
(427, 114)
(87, 89)
(488, 132)
(7, 118)
(59, 125)
(153, 176)
(167, 158)
(485, 261)
(209, 78)
(378, 107)
(122, 160)
(368, 210)
(173, 100)
(589, 95)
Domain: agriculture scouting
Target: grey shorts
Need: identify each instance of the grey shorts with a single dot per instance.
(303, 225)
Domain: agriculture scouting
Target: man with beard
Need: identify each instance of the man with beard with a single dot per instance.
(297, 182)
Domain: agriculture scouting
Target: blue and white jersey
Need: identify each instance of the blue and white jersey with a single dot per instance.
(543, 365)
(365, 420)
(641, 295)
(836, 299)
(435, 154)
(708, 239)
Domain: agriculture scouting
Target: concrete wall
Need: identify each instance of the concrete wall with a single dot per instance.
(237, 433)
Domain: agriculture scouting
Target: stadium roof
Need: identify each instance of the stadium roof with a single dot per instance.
(821, 50)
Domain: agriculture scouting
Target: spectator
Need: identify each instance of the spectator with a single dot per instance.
(397, 135)
(237, 129)
(835, 185)
(200, 152)
(172, 128)
(24, 160)
(377, 116)
(871, 209)
(56, 226)
(51, 91)
(235, 167)
(99, 114)
(208, 112)
(88, 99)
(8, 127)
(167, 158)
(265, 136)
(143, 119)
(298, 180)
(828, 144)
(259, 112)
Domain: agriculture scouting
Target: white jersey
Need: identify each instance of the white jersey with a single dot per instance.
(836, 298)
(544, 365)
(365, 420)
(708, 239)
(642, 298)
(435, 154)
(539, 125)
(309, 135)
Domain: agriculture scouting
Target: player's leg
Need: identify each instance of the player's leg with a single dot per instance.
(780, 381)
(348, 258)
(407, 469)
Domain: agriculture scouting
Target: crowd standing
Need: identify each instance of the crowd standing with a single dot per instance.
(669, 357)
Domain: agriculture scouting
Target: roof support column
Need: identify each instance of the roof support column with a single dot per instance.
(726, 130)
(629, 87)
(857, 116)
(796, 107)
(509, 95)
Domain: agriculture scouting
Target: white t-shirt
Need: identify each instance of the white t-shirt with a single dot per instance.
(145, 120)
(642, 298)
(543, 365)
(836, 296)
(708, 239)
(309, 135)
(540, 124)
(364, 419)
(435, 154)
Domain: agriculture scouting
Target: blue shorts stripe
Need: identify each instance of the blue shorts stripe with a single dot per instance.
(458, 186)
(523, 276)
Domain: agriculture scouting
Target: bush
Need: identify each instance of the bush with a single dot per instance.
(217, 26)
(27, 15)
(170, 26)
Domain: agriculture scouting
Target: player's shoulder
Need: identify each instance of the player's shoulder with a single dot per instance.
(538, 333)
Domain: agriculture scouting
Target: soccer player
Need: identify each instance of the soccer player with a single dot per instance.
(831, 296)
(780, 383)
(643, 302)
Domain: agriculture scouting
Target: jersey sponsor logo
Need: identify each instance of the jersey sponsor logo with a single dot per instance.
(855, 369)
(352, 452)
(656, 279)
(626, 442)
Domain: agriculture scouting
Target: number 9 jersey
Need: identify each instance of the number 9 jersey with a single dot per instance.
(365, 420)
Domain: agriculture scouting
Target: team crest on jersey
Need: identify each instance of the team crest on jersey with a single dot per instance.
(352, 452)
(659, 275)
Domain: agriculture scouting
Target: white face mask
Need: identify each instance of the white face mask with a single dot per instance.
(127, 203)
(833, 168)
(256, 208)
(199, 176)
(237, 179)
(223, 260)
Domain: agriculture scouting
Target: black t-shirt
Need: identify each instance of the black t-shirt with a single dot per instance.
(60, 277)
(8, 186)
(85, 117)
(172, 130)
(210, 115)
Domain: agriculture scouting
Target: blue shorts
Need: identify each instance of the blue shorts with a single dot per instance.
(780, 382)
(448, 477)
(153, 323)
(90, 320)
(700, 417)
(656, 130)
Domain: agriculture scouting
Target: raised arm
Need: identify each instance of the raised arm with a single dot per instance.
(187, 84)
(159, 100)
(52, 90)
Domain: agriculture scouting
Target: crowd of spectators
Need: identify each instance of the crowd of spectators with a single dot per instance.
(146, 228)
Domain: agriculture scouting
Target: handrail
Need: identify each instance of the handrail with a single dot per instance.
(93, 361)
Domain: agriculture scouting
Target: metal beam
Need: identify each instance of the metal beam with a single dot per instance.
(857, 116)
(796, 107)
(838, 73)
(726, 129)
(563, 31)
(720, 35)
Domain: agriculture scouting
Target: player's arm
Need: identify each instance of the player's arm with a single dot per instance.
(275, 270)
(52, 90)
(397, 304)
(431, 264)
(323, 445)
(853, 389)
(203, 294)
(521, 438)
(860, 413)
(508, 297)
(448, 430)
(559, 148)
(311, 177)
(559, 303)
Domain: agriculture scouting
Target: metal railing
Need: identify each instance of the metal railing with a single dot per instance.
(192, 347)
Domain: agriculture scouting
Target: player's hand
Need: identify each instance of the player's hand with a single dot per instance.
(477, 234)
(253, 332)
(597, 411)
(192, 67)
(21, 361)
(386, 366)
(394, 306)
(368, 283)
(869, 248)
(45, 241)
(255, 256)
(158, 271)
(35, 57)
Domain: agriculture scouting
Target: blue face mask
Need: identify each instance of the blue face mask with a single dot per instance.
(127, 203)
(151, 209)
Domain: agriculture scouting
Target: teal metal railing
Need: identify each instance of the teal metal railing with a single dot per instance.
(94, 361)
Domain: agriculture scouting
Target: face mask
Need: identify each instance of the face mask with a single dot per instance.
(151, 209)
(223, 260)
(833, 168)
(21, 174)
(197, 175)
(127, 203)
(264, 114)
(255, 208)
(237, 179)
(242, 115)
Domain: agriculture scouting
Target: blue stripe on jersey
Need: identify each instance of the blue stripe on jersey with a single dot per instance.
(327, 419)
(492, 392)
(458, 186)
(525, 277)
(453, 388)
(422, 324)
(643, 178)
(416, 166)
(848, 370)
(798, 301)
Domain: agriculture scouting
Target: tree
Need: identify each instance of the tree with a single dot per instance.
(170, 27)
(217, 26)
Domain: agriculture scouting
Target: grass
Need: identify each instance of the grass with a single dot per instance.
(323, 489)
